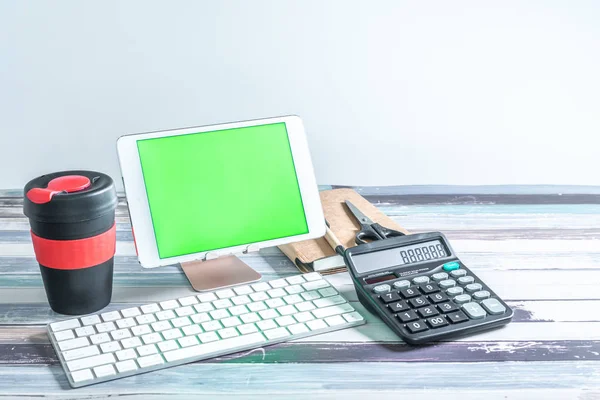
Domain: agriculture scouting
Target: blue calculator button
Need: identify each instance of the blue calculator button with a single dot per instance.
(451, 266)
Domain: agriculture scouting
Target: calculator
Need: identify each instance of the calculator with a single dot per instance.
(417, 285)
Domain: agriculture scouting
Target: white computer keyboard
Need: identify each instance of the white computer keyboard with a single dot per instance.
(131, 341)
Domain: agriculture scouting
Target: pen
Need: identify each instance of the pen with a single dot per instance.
(333, 241)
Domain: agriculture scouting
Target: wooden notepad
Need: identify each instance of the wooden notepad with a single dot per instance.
(316, 254)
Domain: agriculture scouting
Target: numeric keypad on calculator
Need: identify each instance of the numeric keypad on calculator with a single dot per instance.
(444, 298)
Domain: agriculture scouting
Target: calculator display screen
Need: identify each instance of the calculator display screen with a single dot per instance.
(405, 255)
(431, 250)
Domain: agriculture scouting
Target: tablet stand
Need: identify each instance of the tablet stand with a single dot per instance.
(218, 273)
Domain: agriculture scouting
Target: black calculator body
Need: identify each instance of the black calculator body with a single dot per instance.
(417, 285)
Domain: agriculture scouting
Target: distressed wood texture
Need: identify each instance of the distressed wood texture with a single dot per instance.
(537, 246)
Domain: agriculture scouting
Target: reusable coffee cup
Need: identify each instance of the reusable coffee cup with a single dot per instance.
(72, 220)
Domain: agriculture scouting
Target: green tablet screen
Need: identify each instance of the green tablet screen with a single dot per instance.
(218, 189)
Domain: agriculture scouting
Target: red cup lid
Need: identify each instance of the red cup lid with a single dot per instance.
(67, 183)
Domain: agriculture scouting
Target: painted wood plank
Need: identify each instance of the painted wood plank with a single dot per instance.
(308, 379)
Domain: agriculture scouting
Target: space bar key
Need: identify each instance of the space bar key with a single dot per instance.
(217, 347)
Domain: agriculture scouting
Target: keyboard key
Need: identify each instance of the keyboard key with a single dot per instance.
(247, 328)
(64, 335)
(457, 317)
(465, 280)
(438, 297)
(298, 329)
(240, 290)
(333, 301)
(164, 315)
(440, 276)
(215, 347)
(131, 312)
(173, 333)
(203, 307)
(200, 318)
(184, 311)
(188, 341)
(455, 291)
(141, 330)
(191, 330)
(295, 280)
(295, 289)
(420, 280)
(105, 327)
(429, 288)
(268, 324)
(407, 293)
(62, 325)
(126, 354)
(285, 321)
(416, 326)
(287, 310)
(304, 316)
(473, 287)
(473, 310)
(335, 320)
(111, 316)
(293, 299)
(100, 338)
(305, 306)
(238, 310)
(462, 298)
(110, 347)
(146, 350)
(149, 361)
(437, 322)
(316, 324)
(181, 322)
(83, 375)
(73, 343)
(225, 293)
(398, 306)
(457, 273)
(219, 314)
(418, 302)
(482, 294)
(315, 285)
(211, 326)
(152, 338)
(313, 276)
(447, 307)
(407, 316)
(125, 323)
(401, 284)
(169, 304)
(91, 320)
(277, 333)
(259, 296)
(268, 314)
(353, 317)
(150, 308)
(120, 334)
(206, 297)
(333, 310)
(428, 311)
(261, 286)
(312, 295)
(126, 366)
(130, 343)
(274, 303)
(104, 370)
(447, 283)
(188, 301)
(208, 337)
(231, 321)
(239, 300)
(90, 362)
(168, 345)
(227, 333)
(274, 293)
(161, 326)
(250, 317)
(493, 306)
(145, 319)
(224, 303)
(81, 352)
(388, 297)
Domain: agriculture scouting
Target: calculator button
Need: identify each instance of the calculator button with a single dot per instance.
(437, 322)
(462, 298)
(416, 326)
(447, 307)
(465, 280)
(473, 310)
(482, 294)
(451, 266)
(473, 287)
(418, 302)
(457, 273)
(409, 292)
(398, 306)
(455, 291)
(407, 316)
(457, 317)
(382, 288)
(401, 284)
(429, 288)
(438, 297)
(420, 279)
(447, 283)
(440, 276)
(389, 297)
(493, 306)
(428, 311)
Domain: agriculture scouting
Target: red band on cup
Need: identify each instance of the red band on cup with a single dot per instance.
(75, 254)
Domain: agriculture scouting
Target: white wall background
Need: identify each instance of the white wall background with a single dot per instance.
(392, 92)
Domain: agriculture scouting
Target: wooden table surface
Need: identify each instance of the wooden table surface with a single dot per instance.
(537, 247)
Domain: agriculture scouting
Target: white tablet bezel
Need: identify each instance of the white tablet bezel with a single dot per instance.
(139, 210)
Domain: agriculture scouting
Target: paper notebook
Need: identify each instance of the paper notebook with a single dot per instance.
(316, 254)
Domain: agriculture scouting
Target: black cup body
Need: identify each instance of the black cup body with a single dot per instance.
(74, 239)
